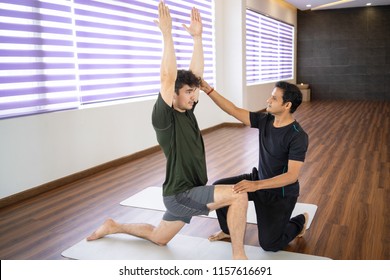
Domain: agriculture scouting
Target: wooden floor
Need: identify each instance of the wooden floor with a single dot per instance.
(346, 173)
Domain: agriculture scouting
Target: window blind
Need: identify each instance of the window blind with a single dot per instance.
(119, 46)
(37, 63)
(71, 53)
(269, 49)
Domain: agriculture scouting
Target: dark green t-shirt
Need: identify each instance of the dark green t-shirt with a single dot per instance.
(181, 141)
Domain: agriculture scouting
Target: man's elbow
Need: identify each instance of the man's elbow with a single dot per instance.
(292, 178)
(168, 74)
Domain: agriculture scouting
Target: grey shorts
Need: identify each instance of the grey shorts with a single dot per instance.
(185, 205)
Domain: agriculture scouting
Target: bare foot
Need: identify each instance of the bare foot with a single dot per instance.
(304, 225)
(106, 228)
(220, 235)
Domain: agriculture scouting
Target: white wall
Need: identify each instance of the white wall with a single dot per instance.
(38, 149)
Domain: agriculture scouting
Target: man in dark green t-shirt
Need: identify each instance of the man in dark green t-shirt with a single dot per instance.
(185, 192)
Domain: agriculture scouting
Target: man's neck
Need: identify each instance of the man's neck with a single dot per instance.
(177, 108)
(283, 120)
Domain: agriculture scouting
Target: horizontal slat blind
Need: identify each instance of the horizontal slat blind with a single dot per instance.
(270, 49)
(63, 54)
(286, 51)
(119, 46)
(252, 47)
(37, 63)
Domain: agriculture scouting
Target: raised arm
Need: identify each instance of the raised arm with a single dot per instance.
(226, 105)
(168, 69)
(195, 30)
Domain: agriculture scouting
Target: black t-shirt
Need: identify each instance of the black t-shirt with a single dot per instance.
(278, 145)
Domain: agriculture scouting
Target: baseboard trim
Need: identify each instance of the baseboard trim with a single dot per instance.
(18, 197)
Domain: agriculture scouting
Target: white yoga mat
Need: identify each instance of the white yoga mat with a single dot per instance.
(181, 247)
(151, 198)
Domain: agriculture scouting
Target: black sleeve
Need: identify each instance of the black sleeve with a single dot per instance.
(258, 120)
(298, 146)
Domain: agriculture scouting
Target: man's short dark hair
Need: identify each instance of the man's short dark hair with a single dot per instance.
(186, 77)
(291, 93)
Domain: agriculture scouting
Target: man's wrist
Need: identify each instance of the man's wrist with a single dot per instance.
(209, 91)
(197, 38)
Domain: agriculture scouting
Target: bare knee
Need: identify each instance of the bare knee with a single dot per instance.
(160, 241)
(224, 196)
(165, 231)
(241, 198)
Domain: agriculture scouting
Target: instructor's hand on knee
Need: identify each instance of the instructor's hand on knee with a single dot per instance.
(245, 186)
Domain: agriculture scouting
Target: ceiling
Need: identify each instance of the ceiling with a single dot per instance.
(335, 4)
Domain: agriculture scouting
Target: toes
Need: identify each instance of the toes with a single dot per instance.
(219, 236)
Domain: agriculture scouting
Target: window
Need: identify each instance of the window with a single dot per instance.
(58, 55)
(269, 49)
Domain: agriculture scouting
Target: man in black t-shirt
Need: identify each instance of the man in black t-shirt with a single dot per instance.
(274, 187)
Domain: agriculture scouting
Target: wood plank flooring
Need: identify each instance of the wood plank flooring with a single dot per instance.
(346, 173)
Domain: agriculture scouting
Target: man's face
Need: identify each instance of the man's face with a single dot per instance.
(186, 98)
(275, 102)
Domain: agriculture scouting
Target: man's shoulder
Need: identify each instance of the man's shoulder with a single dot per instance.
(298, 134)
(162, 114)
(298, 128)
